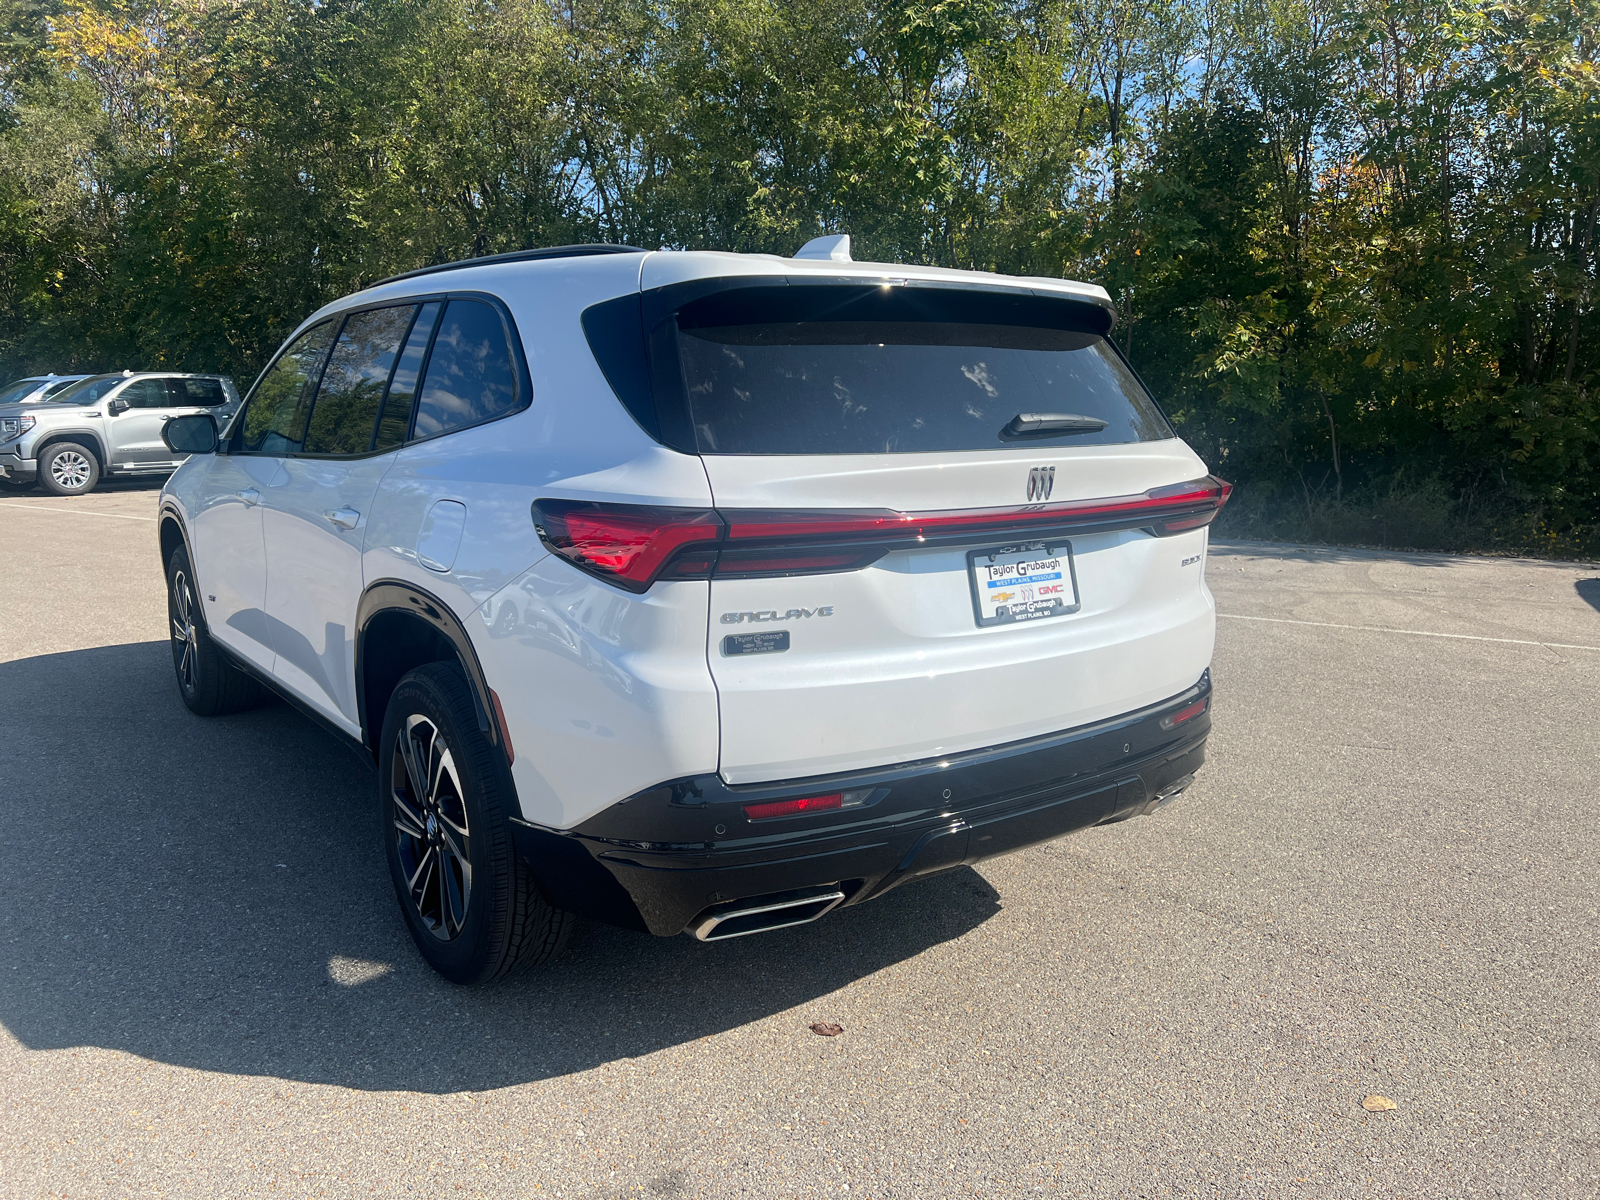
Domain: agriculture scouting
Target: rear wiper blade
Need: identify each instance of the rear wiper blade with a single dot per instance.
(1039, 424)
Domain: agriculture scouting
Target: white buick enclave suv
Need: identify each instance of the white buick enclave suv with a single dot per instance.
(702, 592)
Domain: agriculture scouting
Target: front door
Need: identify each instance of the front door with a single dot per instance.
(230, 562)
(135, 433)
(230, 552)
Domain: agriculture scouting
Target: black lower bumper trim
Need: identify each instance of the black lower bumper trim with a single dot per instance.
(661, 858)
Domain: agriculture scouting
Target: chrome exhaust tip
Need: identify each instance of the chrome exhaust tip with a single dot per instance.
(761, 914)
(1168, 794)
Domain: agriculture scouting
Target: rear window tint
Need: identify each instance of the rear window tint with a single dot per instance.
(346, 410)
(894, 387)
(198, 392)
(403, 387)
(471, 376)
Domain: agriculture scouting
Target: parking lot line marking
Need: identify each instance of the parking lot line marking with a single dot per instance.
(1465, 637)
(78, 512)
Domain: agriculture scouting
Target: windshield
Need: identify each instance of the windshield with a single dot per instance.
(87, 391)
(13, 392)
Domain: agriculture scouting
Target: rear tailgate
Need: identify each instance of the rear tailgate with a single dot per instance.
(889, 663)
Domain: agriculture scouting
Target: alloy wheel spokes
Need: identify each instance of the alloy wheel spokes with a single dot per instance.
(70, 470)
(183, 631)
(429, 822)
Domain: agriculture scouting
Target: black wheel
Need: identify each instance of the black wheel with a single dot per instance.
(68, 469)
(209, 684)
(474, 909)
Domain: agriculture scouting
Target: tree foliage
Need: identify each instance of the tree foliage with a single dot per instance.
(1353, 242)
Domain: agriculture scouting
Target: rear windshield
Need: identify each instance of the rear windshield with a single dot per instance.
(895, 387)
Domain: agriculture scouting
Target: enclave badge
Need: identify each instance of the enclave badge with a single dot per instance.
(1041, 482)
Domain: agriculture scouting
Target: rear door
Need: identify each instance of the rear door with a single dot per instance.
(315, 513)
(901, 429)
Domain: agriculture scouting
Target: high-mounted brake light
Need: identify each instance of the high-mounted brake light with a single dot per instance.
(632, 545)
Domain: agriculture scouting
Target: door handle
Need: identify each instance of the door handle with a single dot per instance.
(250, 496)
(344, 518)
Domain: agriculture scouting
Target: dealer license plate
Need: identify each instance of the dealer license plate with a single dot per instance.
(1022, 583)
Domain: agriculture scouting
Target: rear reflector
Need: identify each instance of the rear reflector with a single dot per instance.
(806, 804)
(793, 808)
(1185, 714)
(632, 545)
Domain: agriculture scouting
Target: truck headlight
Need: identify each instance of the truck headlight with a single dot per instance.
(15, 427)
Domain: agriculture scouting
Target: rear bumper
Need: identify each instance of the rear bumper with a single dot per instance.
(667, 856)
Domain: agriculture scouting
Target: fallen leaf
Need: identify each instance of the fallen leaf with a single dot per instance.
(827, 1029)
(1379, 1104)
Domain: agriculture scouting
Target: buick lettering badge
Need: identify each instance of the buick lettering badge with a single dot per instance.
(1041, 482)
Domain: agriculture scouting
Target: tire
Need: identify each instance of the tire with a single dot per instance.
(68, 469)
(209, 684)
(472, 905)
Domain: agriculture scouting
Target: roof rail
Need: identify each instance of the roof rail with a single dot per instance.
(582, 251)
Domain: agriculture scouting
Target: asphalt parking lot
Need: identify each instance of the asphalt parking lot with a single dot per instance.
(1385, 882)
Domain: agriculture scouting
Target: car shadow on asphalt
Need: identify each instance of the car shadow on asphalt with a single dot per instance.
(211, 894)
(1589, 590)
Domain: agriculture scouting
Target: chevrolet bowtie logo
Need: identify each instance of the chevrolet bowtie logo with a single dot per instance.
(1041, 482)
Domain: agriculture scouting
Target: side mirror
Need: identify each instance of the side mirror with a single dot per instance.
(190, 435)
(116, 407)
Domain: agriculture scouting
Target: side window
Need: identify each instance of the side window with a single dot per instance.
(403, 387)
(471, 376)
(346, 411)
(275, 422)
(144, 393)
(193, 393)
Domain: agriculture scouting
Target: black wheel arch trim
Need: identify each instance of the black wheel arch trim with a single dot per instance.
(85, 438)
(397, 595)
(169, 512)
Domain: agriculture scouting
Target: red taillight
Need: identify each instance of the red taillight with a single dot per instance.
(632, 545)
(793, 808)
(627, 544)
(1209, 493)
(1187, 713)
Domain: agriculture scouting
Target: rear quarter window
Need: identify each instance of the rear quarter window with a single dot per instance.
(471, 375)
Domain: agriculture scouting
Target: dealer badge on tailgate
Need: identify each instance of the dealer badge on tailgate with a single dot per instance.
(1022, 583)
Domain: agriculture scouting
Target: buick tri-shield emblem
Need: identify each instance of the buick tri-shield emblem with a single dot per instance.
(1041, 482)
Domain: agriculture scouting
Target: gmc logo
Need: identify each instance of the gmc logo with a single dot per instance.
(1041, 482)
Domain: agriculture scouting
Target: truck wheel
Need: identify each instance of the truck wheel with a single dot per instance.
(209, 684)
(472, 905)
(68, 469)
